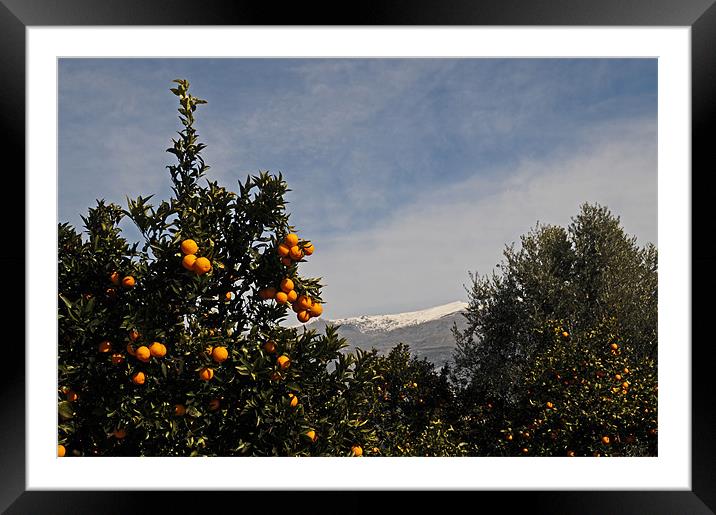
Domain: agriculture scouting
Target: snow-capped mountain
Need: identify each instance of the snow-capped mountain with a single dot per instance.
(428, 332)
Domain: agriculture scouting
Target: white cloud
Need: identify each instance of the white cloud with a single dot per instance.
(421, 257)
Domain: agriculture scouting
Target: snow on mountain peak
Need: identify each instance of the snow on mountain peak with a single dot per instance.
(372, 323)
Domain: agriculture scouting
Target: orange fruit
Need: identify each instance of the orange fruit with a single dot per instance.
(614, 346)
(625, 385)
(291, 240)
(570, 454)
(565, 334)
(130, 350)
(119, 433)
(139, 378)
(304, 302)
(508, 438)
(267, 293)
(283, 361)
(179, 410)
(214, 404)
(282, 250)
(143, 353)
(626, 370)
(308, 248)
(228, 295)
(219, 354)
(270, 346)
(202, 266)
(117, 359)
(316, 309)
(304, 316)
(134, 335)
(72, 396)
(128, 282)
(357, 450)
(294, 400)
(104, 346)
(287, 285)
(281, 297)
(158, 350)
(114, 278)
(550, 405)
(60, 451)
(605, 440)
(296, 253)
(189, 247)
(206, 374)
(618, 377)
(311, 434)
(286, 261)
(525, 450)
(188, 261)
(292, 296)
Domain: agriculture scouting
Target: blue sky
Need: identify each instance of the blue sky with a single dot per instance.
(406, 173)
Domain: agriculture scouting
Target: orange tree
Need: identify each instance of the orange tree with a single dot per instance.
(559, 353)
(174, 347)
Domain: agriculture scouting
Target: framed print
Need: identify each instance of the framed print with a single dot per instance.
(377, 124)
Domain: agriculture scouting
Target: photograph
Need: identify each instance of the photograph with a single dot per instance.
(357, 257)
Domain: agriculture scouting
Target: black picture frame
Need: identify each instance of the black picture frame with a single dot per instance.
(699, 15)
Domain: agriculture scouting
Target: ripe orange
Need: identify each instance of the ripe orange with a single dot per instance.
(228, 295)
(614, 346)
(287, 285)
(625, 384)
(114, 278)
(626, 370)
(550, 405)
(296, 253)
(104, 346)
(316, 309)
(508, 438)
(117, 359)
(219, 354)
(618, 377)
(281, 297)
(72, 396)
(189, 247)
(134, 335)
(525, 450)
(158, 350)
(294, 400)
(357, 450)
(60, 451)
(206, 374)
(304, 316)
(308, 248)
(214, 404)
(270, 346)
(311, 434)
(565, 334)
(267, 293)
(179, 410)
(139, 378)
(304, 302)
(119, 433)
(292, 296)
(143, 353)
(291, 240)
(570, 454)
(286, 261)
(283, 361)
(282, 250)
(605, 440)
(188, 261)
(202, 266)
(130, 350)
(128, 282)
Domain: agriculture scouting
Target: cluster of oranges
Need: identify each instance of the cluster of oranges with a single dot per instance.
(198, 265)
(304, 307)
(290, 249)
(143, 353)
(126, 281)
(218, 354)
